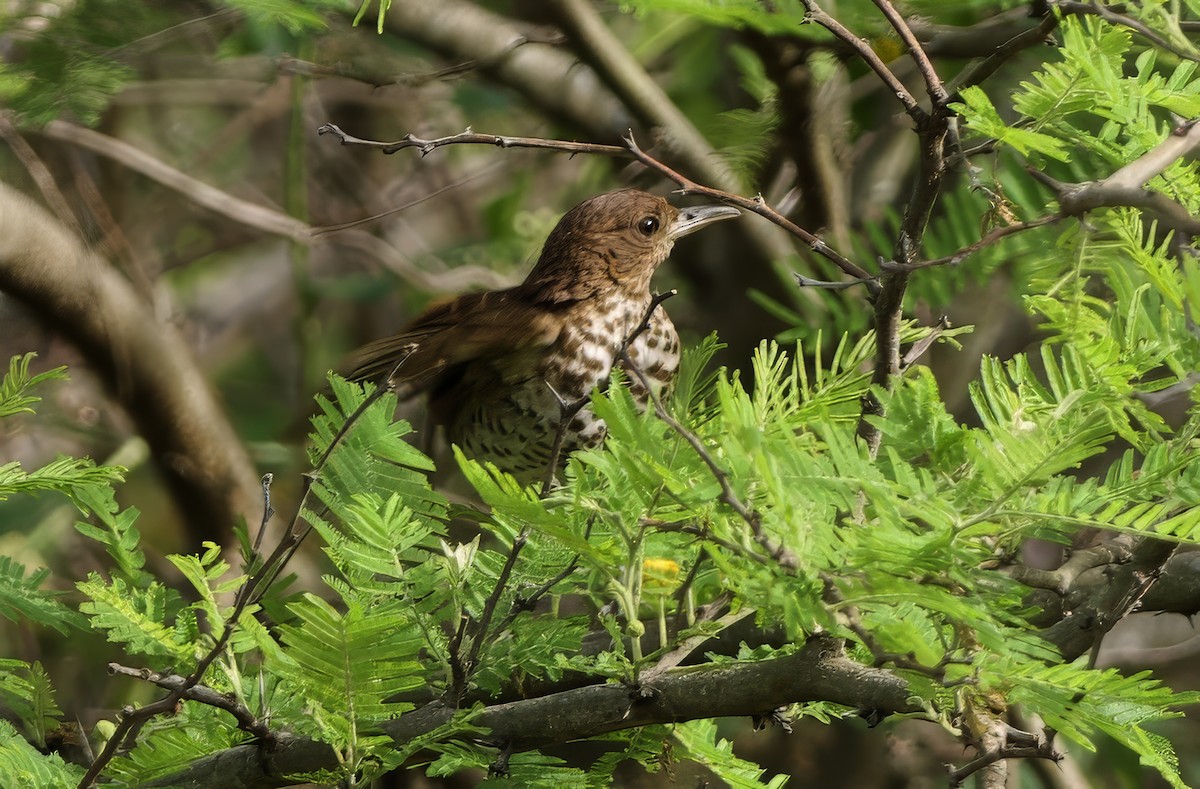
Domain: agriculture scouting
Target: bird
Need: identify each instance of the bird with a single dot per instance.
(500, 368)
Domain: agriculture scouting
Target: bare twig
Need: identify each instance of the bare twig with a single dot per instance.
(203, 694)
(38, 171)
(268, 510)
(489, 609)
(978, 72)
(470, 137)
(809, 282)
(933, 83)
(960, 774)
(990, 238)
(881, 657)
(686, 185)
(527, 602)
(864, 51)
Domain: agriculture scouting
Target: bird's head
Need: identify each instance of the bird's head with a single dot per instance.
(614, 242)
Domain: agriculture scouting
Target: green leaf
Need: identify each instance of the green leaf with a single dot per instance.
(698, 741)
(26, 691)
(22, 765)
(22, 599)
(16, 387)
(115, 532)
(134, 617)
(347, 665)
(981, 116)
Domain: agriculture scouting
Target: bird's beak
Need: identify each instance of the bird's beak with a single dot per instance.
(692, 219)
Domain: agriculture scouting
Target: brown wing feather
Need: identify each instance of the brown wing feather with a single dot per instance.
(449, 335)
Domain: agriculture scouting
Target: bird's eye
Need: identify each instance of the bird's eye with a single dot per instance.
(647, 225)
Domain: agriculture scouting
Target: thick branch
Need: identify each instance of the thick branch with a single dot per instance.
(547, 76)
(647, 100)
(819, 672)
(145, 363)
(1100, 597)
(1124, 188)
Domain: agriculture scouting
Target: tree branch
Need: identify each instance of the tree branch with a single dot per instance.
(548, 77)
(687, 186)
(818, 672)
(144, 363)
(1124, 188)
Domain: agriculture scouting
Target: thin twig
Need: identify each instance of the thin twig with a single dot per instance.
(489, 609)
(566, 412)
(203, 694)
(881, 656)
(470, 137)
(132, 720)
(864, 51)
(268, 510)
(960, 774)
(38, 171)
(977, 73)
(526, 603)
(686, 185)
(809, 282)
(933, 83)
(990, 238)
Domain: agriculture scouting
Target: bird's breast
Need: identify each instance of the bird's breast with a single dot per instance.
(516, 409)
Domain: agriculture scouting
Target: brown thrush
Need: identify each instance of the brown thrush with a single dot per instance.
(498, 366)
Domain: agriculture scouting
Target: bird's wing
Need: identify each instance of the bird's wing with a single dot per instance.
(449, 335)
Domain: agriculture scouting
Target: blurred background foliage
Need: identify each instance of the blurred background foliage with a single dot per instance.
(231, 94)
